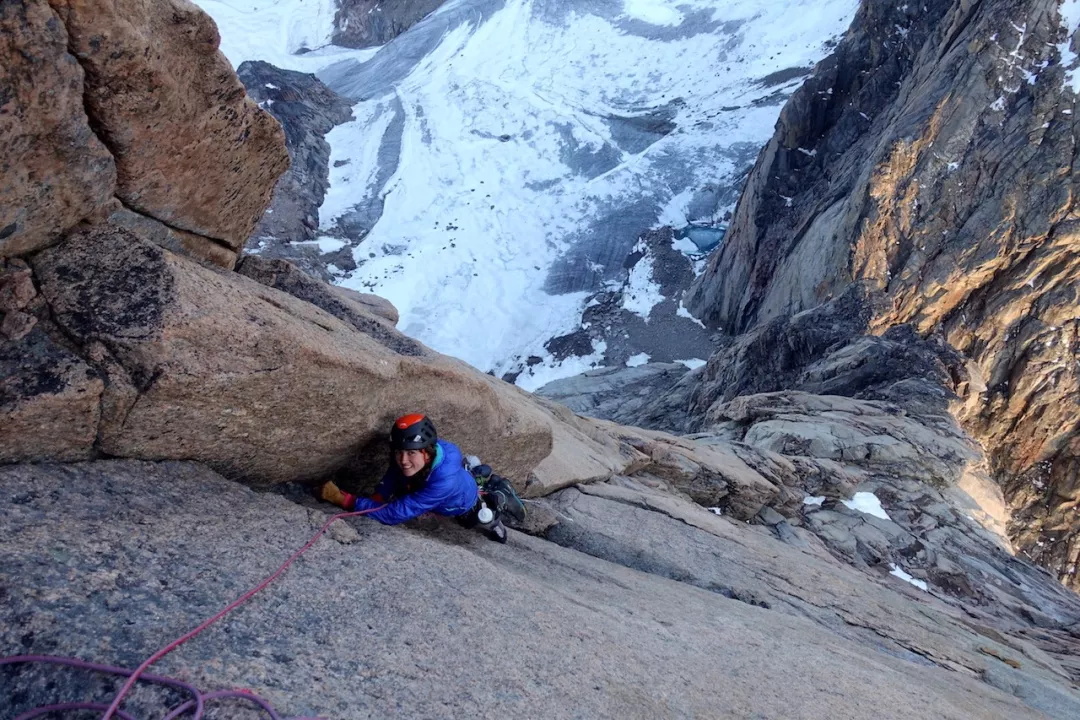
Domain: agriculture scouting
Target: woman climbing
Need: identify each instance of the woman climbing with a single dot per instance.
(430, 475)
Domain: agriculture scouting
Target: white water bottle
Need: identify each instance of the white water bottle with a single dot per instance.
(484, 515)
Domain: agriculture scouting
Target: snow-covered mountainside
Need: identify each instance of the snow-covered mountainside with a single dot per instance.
(506, 155)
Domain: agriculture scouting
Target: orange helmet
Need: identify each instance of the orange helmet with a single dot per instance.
(413, 432)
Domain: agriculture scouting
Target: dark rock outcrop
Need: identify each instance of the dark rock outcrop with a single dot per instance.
(824, 351)
(641, 314)
(350, 307)
(932, 158)
(615, 393)
(50, 401)
(367, 23)
(307, 110)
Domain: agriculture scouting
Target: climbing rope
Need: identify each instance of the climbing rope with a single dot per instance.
(198, 699)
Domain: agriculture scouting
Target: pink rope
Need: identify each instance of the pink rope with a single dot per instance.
(135, 675)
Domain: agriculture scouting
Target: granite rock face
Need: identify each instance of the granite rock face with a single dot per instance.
(140, 121)
(932, 159)
(214, 366)
(54, 170)
(50, 401)
(174, 116)
(649, 593)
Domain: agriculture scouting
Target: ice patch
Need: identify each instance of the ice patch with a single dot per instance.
(654, 12)
(1070, 21)
(716, 510)
(549, 370)
(641, 293)
(898, 572)
(685, 245)
(636, 360)
(324, 243)
(813, 500)
(674, 213)
(867, 502)
(684, 313)
(692, 363)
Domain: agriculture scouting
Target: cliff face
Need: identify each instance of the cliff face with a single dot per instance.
(140, 167)
(648, 556)
(932, 158)
(367, 23)
(307, 110)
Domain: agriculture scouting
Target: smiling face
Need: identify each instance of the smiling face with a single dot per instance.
(410, 461)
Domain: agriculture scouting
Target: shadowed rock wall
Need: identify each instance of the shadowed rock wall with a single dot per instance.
(932, 158)
(366, 23)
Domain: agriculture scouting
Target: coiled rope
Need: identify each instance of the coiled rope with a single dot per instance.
(198, 699)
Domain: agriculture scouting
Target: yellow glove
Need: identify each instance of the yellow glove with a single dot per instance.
(331, 493)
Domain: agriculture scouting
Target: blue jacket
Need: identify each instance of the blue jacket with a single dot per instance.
(450, 489)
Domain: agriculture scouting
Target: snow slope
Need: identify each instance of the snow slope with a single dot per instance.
(506, 154)
(276, 30)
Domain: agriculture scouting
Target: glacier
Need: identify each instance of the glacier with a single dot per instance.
(507, 154)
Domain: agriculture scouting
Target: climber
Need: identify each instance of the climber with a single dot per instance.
(429, 475)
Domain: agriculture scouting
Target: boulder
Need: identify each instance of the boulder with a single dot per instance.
(192, 151)
(255, 382)
(54, 170)
(373, 304)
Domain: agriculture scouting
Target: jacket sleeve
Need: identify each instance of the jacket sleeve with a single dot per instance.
(407, 507)
(384, 490)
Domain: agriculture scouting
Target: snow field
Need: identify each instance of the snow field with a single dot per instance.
(899, 572)
(274, 30)
(1070, 21)
(496, 153)
(491, 117)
